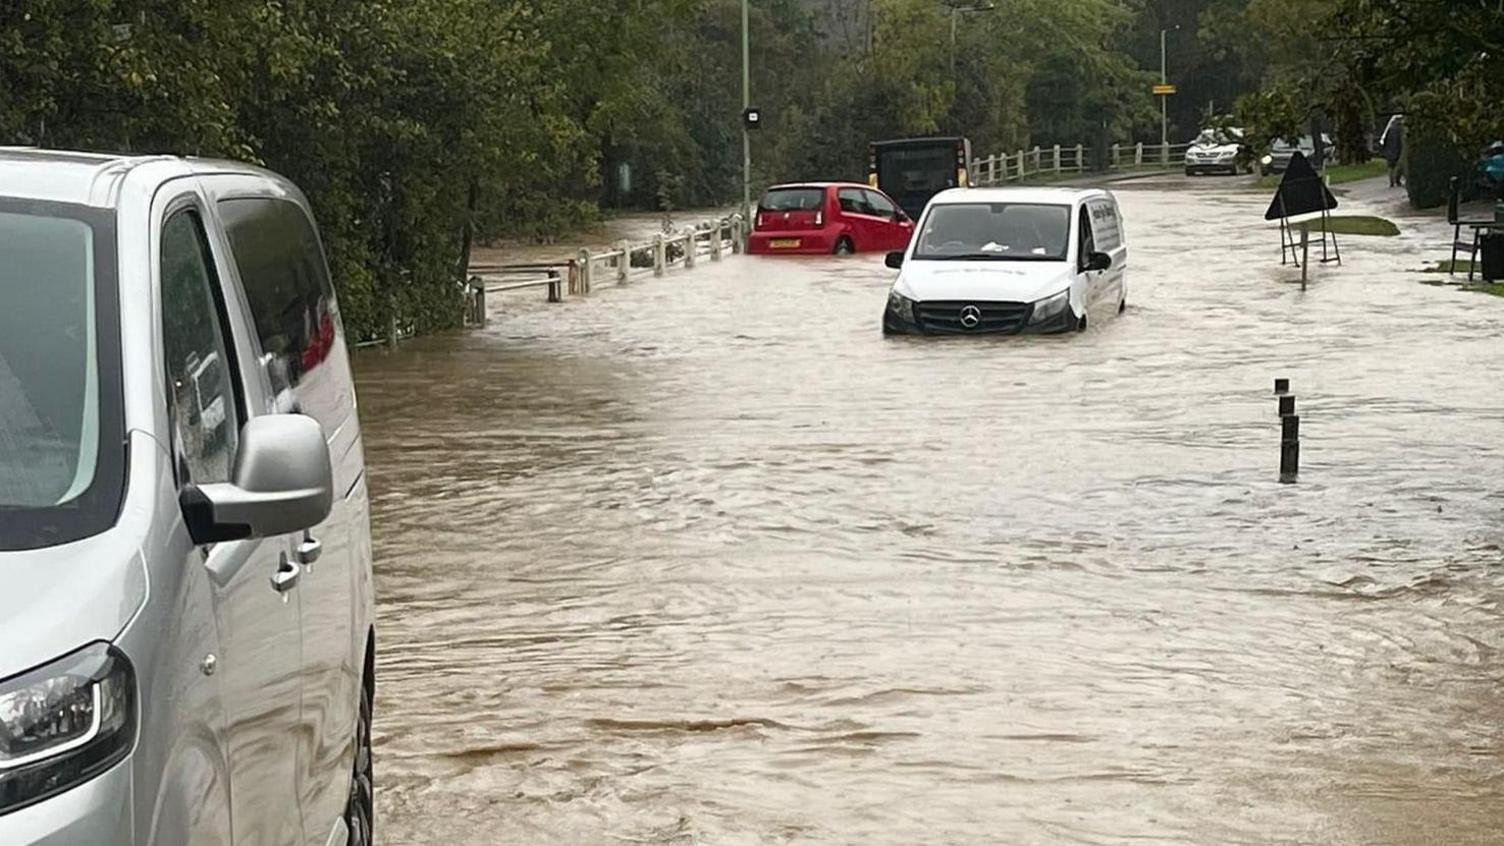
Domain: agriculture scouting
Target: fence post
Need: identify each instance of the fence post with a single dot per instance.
(479, 288)
(1164, 153)
(1114, 165)
(1020, 164)
(736, 234)
(554, 284)
(659, 255)
(1080, 158)
(1305, 254)
(1138, 153)
(585, 261)
(623, 264)
(1056, 152)
(715, 242)
(690, 247)
(1289, 449)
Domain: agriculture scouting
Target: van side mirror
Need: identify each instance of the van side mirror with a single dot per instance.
(1098, 261)
(283, 483)
(895, 259)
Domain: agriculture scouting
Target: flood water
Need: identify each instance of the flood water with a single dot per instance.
(708, 560)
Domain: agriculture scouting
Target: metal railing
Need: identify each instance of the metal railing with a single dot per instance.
(620, 264)
(1070, 161)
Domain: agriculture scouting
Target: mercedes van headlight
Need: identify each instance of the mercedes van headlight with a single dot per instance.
(1050, 306)
(64, 723)
(901, 306)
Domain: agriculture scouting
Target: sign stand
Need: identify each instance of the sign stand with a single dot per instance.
(1303, 192)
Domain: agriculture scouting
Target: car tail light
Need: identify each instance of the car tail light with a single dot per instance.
(820, 218)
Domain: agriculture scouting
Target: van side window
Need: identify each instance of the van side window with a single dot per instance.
(1105, 226)
(204, 407)
(286, 284)
(1088, 241)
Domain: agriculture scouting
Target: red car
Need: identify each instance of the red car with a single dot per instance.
(828, 217)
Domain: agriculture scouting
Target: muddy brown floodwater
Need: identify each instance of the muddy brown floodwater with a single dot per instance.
(707, 560)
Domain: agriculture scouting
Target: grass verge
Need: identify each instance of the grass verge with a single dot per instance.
(1447, 266)
(1340, 175)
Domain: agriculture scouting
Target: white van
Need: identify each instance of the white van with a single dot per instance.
(1010, 261)
(187, 630)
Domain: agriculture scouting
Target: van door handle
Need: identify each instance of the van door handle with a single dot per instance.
(289, 572)
(310, 549)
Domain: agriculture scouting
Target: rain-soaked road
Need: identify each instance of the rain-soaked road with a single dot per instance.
(707, 560)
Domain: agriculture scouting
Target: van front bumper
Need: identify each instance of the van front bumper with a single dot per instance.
(933, 319)
(97, 811)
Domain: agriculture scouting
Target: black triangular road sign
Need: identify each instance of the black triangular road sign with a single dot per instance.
(1301, 192)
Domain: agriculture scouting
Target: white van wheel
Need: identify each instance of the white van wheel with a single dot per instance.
(360, 808)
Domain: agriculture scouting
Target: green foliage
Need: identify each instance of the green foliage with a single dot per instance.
(1271, 114)
(417, 127)
(1432, 159)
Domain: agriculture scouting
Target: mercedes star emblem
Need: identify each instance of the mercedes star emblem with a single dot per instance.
(971, 316)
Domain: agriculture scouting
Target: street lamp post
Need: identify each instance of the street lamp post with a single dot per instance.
(1164, 99)
(955, 14)
(746, 131)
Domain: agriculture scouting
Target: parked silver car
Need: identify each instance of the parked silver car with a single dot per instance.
(186, 625)
(1277, 160)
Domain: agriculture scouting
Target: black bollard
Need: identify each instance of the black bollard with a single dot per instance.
(1289, 449)
(1286, 405)
(1281, 386)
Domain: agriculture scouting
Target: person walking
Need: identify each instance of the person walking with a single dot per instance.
(1392, 148)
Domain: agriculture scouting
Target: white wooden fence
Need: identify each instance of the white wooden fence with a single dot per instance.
(622, 263)
(1065, 161)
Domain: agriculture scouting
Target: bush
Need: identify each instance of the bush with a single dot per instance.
(1431, 160)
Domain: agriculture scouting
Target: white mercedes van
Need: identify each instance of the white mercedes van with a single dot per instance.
(1010, 261)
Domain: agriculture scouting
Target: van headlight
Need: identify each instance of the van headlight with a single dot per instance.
(1050, 306)
(902, 307)
(64, 723)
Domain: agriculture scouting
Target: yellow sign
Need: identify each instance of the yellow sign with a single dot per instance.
(1164, 90)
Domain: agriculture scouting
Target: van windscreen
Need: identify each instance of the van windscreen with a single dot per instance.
(61, 432)
(995, 232)
(906, 170)
(792, 199)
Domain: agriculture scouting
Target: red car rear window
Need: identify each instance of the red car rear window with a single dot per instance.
(793, 199)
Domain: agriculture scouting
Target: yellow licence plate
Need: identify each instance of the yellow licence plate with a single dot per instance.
(784, 243)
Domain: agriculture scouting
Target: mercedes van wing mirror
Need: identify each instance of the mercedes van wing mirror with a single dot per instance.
(1099, 261)
(282, 483)
(895, 260)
